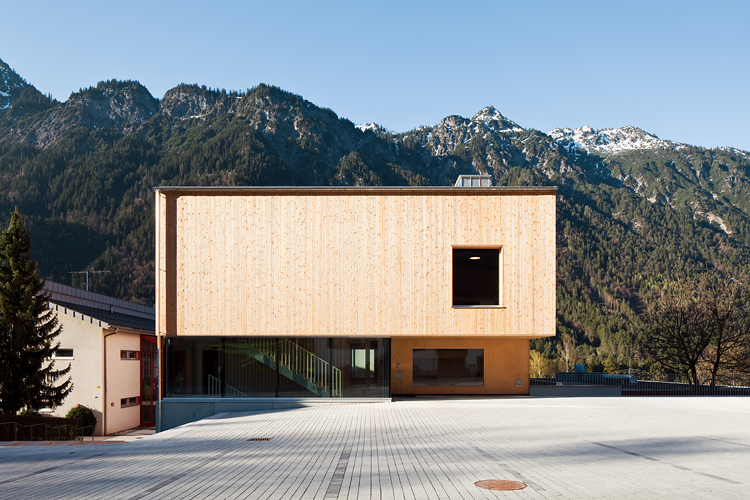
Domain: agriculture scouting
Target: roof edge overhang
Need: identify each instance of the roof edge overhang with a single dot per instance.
(358, 190)
(106, 324)
(111, 328)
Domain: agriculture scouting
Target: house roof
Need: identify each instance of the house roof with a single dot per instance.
(115, 312)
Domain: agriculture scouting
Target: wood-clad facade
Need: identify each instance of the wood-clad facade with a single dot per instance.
(321, 262)
(358, 262)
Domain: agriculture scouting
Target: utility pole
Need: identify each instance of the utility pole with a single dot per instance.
(87, 275)
(630, 357)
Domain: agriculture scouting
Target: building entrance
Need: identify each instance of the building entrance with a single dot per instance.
(363, 363)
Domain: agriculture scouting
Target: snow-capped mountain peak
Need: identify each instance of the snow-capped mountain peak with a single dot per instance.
(9, 81)
(609, 140)
(494, 120)
(488, 114)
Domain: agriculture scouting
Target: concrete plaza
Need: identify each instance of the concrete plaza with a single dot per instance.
(591, 448)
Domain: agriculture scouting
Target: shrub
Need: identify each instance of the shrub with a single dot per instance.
(86, 415)
(28, 413)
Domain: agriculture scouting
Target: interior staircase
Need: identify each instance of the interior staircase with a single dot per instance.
(214, 389)
(295, 363)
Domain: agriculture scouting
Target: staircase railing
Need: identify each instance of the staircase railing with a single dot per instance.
(214, 389)
(299, 360)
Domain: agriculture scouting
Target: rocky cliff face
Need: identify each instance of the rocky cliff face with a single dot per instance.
(119, 105)
(122, 106)
(191, 101)
(297, 129)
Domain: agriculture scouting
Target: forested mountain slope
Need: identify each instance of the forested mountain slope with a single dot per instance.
(634, 210)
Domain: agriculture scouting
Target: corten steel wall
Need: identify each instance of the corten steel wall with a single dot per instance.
(373, 262)
(506, 362)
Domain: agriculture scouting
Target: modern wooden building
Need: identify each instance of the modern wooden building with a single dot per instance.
(367, 292)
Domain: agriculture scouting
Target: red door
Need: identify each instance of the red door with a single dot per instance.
(149, 380)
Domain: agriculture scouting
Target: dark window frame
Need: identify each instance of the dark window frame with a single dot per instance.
(65, 353)
(128, 402)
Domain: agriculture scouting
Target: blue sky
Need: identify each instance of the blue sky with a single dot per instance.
(680, 70)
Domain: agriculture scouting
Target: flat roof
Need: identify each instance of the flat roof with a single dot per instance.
(360, 190)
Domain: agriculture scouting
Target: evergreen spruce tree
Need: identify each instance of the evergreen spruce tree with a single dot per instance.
(27, 329)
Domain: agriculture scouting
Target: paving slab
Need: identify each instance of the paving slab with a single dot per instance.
(417, 448)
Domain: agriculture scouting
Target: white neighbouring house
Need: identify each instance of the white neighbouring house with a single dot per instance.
(111, 347)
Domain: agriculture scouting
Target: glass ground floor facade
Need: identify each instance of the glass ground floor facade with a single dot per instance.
(284, 367)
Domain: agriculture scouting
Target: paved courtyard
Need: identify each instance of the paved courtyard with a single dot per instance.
(591, 448)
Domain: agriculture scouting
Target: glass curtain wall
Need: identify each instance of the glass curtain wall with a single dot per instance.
(267, 367)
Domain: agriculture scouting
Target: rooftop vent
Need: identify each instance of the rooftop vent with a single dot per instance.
(473, 181)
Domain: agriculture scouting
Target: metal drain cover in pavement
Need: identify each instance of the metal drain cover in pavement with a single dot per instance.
(500, 485)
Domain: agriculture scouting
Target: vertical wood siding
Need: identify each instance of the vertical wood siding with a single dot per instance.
(375, 265)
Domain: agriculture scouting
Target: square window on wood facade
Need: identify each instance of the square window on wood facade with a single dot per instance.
(476, 277)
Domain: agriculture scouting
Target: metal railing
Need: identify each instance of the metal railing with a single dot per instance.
(299, 360)
(639, 384)
(313, 368)
(214, 389)
(71, 432)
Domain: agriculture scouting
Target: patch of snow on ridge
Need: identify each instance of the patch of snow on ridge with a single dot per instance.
(715, 218)
(736, 151)
(371, 126)
(609, 140)
(3, 96)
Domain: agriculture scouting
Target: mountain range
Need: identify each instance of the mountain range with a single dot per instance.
(634, 210)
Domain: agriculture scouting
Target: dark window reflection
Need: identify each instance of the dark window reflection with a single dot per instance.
(476, 277)
(448, 367)
(276, 367)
